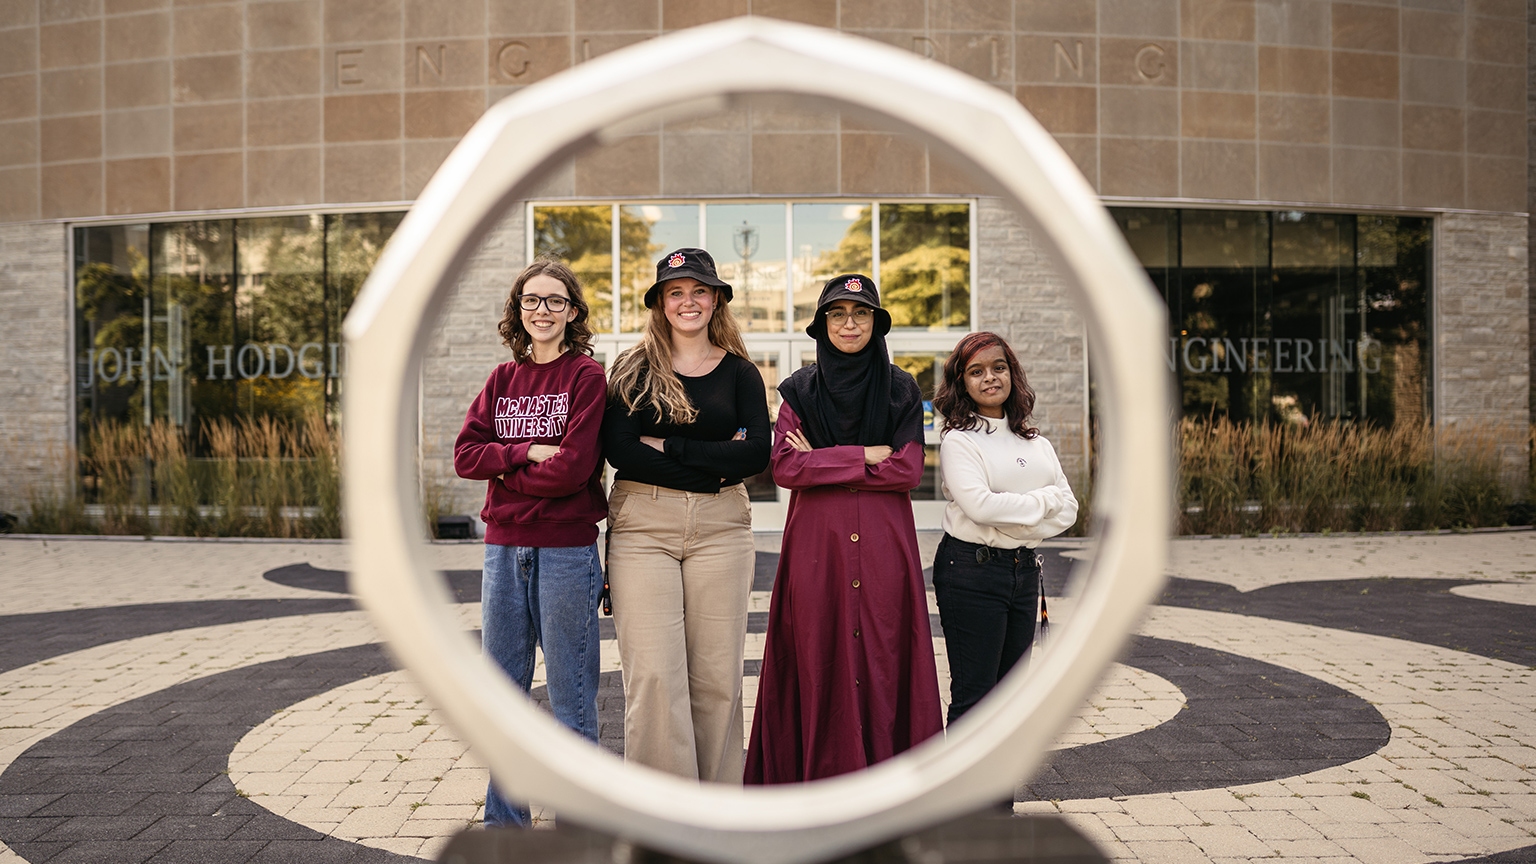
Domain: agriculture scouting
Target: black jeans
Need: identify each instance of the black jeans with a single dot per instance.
(988, 610)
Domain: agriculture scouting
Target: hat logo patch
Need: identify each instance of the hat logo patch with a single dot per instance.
(676, 260)
(853, 285)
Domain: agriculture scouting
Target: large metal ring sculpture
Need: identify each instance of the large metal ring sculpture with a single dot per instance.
(1000, 741)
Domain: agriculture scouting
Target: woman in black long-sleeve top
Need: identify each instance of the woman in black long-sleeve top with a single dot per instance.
(687, 421)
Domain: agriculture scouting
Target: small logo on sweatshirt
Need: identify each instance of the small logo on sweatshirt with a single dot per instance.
(1022, 461)
(544, 416)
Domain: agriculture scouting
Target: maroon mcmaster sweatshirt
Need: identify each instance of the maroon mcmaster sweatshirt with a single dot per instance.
(557, 502)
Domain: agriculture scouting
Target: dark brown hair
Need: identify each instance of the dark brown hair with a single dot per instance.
(955, 402)
(578, 336)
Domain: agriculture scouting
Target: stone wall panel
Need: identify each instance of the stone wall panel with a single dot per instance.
(463, 350)
(1482, 357)
(34, 380)
(1387, 78)
(1022, 297)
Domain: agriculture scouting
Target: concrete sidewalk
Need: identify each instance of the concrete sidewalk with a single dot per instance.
(1341, 698)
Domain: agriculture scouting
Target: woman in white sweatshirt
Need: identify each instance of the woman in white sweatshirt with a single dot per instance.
(1006, 493)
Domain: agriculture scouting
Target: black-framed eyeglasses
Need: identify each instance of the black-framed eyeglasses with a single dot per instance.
(861, 316)
(554, 302)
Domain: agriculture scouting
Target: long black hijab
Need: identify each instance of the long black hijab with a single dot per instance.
(859, 398)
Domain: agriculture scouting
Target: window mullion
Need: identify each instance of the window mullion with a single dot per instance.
(615, 292)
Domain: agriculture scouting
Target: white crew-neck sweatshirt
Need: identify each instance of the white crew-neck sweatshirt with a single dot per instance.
(1004, 491)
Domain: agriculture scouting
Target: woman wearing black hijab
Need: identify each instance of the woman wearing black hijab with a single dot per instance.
(848, 674)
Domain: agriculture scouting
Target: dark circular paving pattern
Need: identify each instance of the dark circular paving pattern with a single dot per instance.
(146, 780)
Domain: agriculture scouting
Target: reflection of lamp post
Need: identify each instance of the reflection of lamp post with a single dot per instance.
(745, 239)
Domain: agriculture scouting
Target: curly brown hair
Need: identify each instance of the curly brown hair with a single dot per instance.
(578, 335)
(955, 402)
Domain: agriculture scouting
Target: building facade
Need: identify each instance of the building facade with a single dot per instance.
(1332, 198)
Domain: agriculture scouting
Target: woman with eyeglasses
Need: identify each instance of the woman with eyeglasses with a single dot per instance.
(687, 422)
(1006, 493)
(534, 434)
(848, 675)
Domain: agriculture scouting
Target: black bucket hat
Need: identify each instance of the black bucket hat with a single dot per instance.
(851, 286)
(686, 263)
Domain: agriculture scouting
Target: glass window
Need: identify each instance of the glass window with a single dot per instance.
(1222, 295)
(1152, 235)
(280, 305)
(196, 299)
(1313, 295)
(925, 265)
(194, 281)
(1290, 315)
(928, 368)
(747, 241)
(1393, 255)
(762, 487)
(830, 239)
(192, 323)
(112, 276)
(582, 237)
(923, 271)
(646, 232)
(353, 244)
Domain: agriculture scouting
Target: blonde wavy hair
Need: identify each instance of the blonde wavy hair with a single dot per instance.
(643, 376)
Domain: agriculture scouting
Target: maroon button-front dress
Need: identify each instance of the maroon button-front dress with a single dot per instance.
(848, 674)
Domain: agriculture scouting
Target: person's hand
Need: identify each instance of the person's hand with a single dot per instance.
(876, 455)
(656, 443)
(540, 452)
(797, 440)
(741, 434)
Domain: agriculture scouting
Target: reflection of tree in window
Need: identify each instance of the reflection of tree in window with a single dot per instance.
(194, 282)
(109, 303)
(925, 264)
(192, 300)
(852, 254)
(830, 239)
(582, 237)
(281, 304)
(1394, 275)
(353, 244)
(646, 232)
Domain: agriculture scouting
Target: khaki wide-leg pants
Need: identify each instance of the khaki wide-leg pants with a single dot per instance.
(680, 573)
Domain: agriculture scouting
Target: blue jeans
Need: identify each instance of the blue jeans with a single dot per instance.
(545, 596)
(988, 609)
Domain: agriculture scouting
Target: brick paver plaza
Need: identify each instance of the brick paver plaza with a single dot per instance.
(1312, 699)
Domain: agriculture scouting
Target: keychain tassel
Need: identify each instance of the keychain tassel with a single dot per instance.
(1045, 617)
